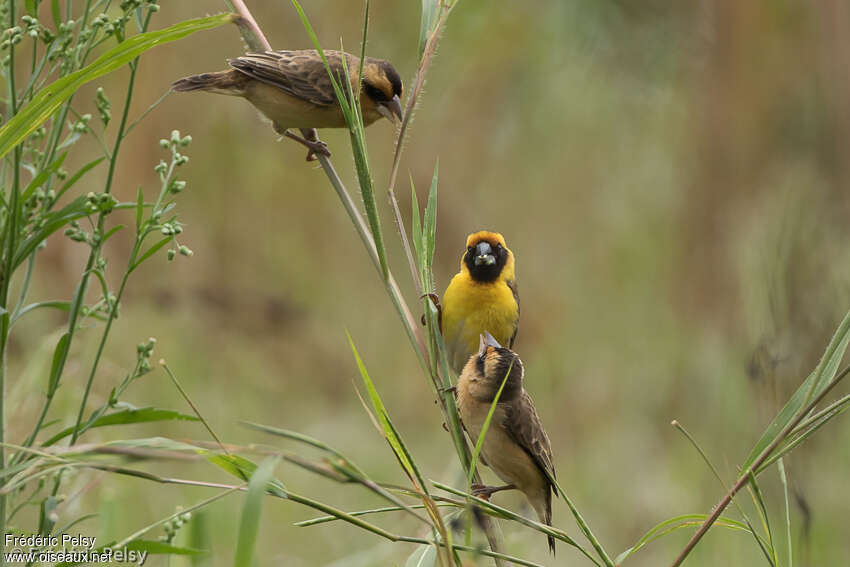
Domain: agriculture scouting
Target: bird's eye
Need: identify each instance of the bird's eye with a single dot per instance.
(470, 249)
(498, 246)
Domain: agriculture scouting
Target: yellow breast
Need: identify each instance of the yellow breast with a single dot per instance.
(469, 309)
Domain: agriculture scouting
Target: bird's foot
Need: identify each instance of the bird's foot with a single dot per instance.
(314, 146)
(483, 491)
(435, 299)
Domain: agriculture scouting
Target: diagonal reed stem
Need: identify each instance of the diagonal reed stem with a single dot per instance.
(745, 475)
(253, 36)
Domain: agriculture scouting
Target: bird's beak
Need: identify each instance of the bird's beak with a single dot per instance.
(489, 340)
(484, 254)
(391, 110)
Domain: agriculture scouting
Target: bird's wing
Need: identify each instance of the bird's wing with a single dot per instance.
(512, 286)
(523, 425)
(301, 74)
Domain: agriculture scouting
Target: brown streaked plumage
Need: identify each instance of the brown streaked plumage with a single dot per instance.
(293, 89)
(515, 445)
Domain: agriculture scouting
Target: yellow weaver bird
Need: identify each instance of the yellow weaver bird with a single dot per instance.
(481, 297)
(515, 444)
(293, 89)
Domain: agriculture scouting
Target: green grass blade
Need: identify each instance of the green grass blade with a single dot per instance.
(430, 10)
(812, 386)
(244, 469)
(758, 498)
(788, 542)
(416, 226)
(422, 557)
(46, 101)
(673, 524)
(480, 441)
(250, 523)
(429, 230)
(806, 429)
(59, 356)
(326, 519)
(358, 142)
(716, 473)
(42, 176)
(389, 430)
(76, 177)
(126, 417)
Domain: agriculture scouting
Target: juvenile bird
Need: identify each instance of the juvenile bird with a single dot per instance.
(515, 445)
(481, 297)
(293, 89)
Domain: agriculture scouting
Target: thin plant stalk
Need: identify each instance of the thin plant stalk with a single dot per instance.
(255, 39)
(113, 312)
(11, 238)
(745, 476)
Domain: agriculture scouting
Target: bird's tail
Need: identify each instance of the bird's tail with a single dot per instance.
(542, 504)
(548, 521)
(223, 82)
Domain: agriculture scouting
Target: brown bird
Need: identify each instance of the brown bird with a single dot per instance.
(293, 89)
(515, 445)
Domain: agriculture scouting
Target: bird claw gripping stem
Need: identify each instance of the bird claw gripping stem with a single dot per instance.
(435, 299)
(314, 144)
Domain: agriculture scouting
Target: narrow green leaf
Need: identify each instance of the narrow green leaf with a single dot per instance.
(358, 143)
(48, 515)
(250, 524)
(140, 208)
(244, 469)
(150, 252)
(56, 304)
(768, 549)
(74, 210)
(424, 556)
(388, 428)
(161, 548)
(416, 227)
(430, 9)
(429, 227)
(57, 15)
(42, 176)
(200, 538)
(76, 177)
(811, 387)
(156, 443)
(59, 356)
(112, 231)
(479, 443)
(806, 429)
(46, 101)
(669, 526)
(784, 478)
(127, 417)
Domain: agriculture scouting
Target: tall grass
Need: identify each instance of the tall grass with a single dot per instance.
(44, 64)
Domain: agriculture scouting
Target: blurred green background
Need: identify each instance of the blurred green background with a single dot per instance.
(672, 177)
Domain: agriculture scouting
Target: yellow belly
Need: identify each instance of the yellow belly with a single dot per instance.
(469, 309)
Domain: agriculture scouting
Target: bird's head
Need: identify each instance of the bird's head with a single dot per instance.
(489, 367)
(487, 257)
(381, 90)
